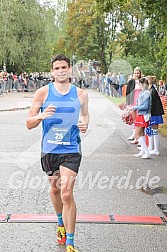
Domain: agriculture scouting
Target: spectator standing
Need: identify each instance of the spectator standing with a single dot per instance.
(80, 82)
(15, 82)
(161, 88)
(132, 92)
(121, 81)
(10, 80)
(1, 81)
(156, 117)
(74, 59)
(107, 83)
(143, 109)
(114, 85)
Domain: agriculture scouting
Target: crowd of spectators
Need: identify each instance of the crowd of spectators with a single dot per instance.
(112, 84)
(24, 82)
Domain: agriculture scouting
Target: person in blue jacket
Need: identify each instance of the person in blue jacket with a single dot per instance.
(142, 117)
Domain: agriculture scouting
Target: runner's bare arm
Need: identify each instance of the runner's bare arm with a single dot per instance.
(34, 115)
(84, 115)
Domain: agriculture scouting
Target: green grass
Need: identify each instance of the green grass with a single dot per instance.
(118, 101)
(115, 100)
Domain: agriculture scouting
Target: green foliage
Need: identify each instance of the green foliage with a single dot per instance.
(147, 67)
(86, 33)
(27, 33)
(105, 30)
(156, 10)
(108, 5)
(141, 32)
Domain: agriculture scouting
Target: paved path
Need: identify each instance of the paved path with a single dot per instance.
(107, 183)
(12, 101)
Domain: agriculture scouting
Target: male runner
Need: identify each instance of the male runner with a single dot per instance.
(63, 110)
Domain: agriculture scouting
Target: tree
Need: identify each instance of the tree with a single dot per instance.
(27, 32)
(86, 33)
(156, 12)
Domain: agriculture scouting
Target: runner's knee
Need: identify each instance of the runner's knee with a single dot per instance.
(66, 196)
(55, 190)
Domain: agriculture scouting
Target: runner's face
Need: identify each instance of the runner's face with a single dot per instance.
(61, 71)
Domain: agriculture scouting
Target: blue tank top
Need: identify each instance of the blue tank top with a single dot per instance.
(60, 132)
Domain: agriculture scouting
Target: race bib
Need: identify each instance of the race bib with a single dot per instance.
(59, 135)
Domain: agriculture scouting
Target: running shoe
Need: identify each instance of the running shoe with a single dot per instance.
(70, 248)
(61, 235)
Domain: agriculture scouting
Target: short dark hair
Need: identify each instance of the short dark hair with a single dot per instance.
(59, 57)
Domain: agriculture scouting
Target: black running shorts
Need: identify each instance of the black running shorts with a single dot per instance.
(51, 162)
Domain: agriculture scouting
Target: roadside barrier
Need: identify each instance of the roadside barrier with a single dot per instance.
(10, 86)
(164, 104)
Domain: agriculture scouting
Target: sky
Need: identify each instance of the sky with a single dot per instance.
(52, 2)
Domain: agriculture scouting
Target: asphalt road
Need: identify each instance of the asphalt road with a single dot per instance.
(109, 182)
